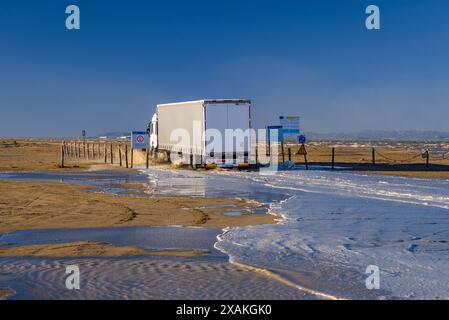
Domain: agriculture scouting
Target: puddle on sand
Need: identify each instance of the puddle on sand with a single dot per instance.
(147, 238)
(103, 181)
(162, 183)
(233, 214)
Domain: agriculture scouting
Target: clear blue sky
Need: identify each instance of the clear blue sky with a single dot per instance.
(315, 59)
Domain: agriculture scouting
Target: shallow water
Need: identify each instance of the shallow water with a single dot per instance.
(149, 277)
(340, 223)
(140, 278)
(335, 225)
(147, 238)
(104, 181)
(206, 277)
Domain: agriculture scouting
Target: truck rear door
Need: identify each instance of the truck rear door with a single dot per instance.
(238, 120)
(220, 117)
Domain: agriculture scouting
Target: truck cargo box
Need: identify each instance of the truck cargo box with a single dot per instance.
(214, 131)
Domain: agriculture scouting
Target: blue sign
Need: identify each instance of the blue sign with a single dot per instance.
(302, 139)
(290, 126)
(139, 139)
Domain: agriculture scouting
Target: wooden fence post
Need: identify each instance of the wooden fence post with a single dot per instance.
(333, 158)
(105, 153)
(257, 154)
(282, 150)
(126, 155)
(120, 154)
(62, 154)
(374, 156)
(112, 155)
(148, 156)
(289, 154)
(132, 157)
(79, 150)
(99, 152)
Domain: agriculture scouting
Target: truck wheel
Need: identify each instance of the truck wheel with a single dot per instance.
(154, 153)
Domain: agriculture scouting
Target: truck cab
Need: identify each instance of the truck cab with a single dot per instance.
(152, 132)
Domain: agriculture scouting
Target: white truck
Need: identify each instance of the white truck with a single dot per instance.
(204, 133)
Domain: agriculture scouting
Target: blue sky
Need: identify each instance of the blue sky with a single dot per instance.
(315, 59)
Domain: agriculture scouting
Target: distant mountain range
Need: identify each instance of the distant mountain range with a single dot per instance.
(380, 135)
(112, 135)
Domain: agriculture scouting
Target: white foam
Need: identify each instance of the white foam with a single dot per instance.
(338, 223)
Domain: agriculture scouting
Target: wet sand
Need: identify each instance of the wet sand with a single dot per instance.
(5, 293)
(26, 205)
(166, 278)
(89, 249)
(415, 174)
(207, 276)
(160, 264)
(125, 270)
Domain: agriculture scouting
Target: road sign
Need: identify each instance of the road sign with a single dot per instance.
(302, 139)
(302, 150)
(290, 127)
(139, 139)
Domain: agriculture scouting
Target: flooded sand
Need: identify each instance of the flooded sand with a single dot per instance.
(335, 225)
(204, 277)
(138, 278)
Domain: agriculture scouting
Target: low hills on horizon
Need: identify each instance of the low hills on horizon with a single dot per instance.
(364, 135)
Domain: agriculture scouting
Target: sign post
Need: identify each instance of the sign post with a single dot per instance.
(302, 151)
(139, 140)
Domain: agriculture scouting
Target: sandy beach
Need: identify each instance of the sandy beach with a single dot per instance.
(5, 293)
(91, 211)
(26, 205)
(402, 159)
(34, 155)
(43, 205)
(392, 158)
(40, 205)
(89, 249)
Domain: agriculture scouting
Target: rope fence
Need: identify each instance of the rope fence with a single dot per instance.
(407, 160)
(345, 155)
